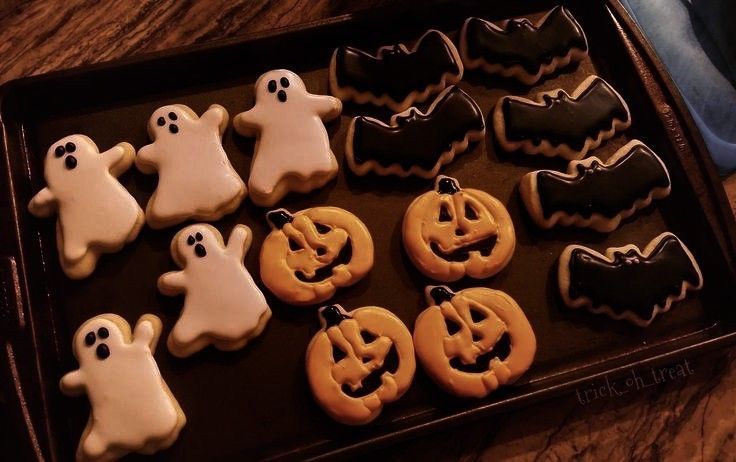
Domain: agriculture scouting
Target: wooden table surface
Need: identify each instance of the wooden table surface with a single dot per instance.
(685, 418)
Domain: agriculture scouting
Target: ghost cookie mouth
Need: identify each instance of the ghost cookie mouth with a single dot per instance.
(462, 253)
(320, 274)
(194, 240)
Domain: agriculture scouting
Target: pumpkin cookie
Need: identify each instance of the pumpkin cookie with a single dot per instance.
(309, 254)
(358, 362)
(473, 341)
(451, 232)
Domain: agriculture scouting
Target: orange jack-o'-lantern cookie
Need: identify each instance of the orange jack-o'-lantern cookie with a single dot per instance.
(358, 362)
(452, 232)
(309, 254)
(473, 341)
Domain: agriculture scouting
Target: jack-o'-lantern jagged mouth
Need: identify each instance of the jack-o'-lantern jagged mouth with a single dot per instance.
(462, 254)
(320, 274)
(501, 350)
(374, 380)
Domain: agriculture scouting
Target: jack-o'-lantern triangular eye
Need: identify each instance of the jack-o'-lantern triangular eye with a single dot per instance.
(470, 212)
(452, 327)
(322, 229)
(337, 354)
(294, 245)
(445, 214)
(476, 315)
(368, 337)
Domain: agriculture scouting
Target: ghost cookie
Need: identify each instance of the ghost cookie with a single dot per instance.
(451, 232)
(310, 254)
(415, 142)
(293, 149)
(358, 362)
(132, 408)
(396, 76)
(222, 304)
(521, 49)
(96, 214)
(626, 282)
(195, 178)
(555, 123)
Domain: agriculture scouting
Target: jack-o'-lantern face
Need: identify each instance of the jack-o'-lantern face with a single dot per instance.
(358, 362)
(311, 253)
(452, 232)
(473, 341)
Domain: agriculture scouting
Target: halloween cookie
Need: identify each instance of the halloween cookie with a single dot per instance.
(223, 306)
(415, 143)
(293, 150)
(195, 178)
(521, 49)
(358, 362)
(310, 254)
(396, 77)
(96, 214)
(452, 232)
(473, 341)
(594, 193)
(132, 409)
(558, 124)
(628, 283)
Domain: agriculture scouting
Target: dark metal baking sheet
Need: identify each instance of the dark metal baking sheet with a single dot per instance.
(255, 403)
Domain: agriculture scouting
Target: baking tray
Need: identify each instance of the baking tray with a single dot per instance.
(255, 403)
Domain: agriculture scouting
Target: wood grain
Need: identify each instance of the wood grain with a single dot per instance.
(691, 418)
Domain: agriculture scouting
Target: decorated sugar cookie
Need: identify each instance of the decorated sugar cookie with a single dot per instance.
(626, 282)
(96, 214)
(195, 178)
(310, 254)
(358, 362)
(473, 341)
(293, 150)
(451, 232)
(132, 408)
(222, 304)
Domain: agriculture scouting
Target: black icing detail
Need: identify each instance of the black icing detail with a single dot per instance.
(200, 251)
(281, 95)
(501, 350)
(278, 218)
(272, 86)
(173, 116)
(70, 147)
(562, 119)
(604, 189)
(190, 240)
(332, 315)
(90, 339)
(102, 351)
(394, 72)
(284, 82)
(59, 151)
(372, 381)
(320, 274)
(160, 121)
(441, 294)
(173, 128)
(632, 282)
(462, 254)
(448, 185)
(418, 139)
(103, 333)
(198, 236)
(523, 44)
(70, 162)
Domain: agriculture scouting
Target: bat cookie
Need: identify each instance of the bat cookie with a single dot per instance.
(292, 151)
(223, 306)
(594, 193)
(415, 143)
(132, 408)
(396, 76)
(628, 283)
(559, 124)
(195, 178)
(96, 214)
(521, 49)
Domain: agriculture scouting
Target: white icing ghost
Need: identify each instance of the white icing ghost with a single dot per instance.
(293, 150)
(96, 214)
(222, 304)
(132, 409)
(195, 178)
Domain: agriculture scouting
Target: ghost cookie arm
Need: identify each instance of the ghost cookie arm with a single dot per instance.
(248, 123)
(216, 116)
(327, 107)
(119, 158)
(239, 242)
(43, 204)
(145, 161)
(72, 383)
(147, 331)
(172, 283)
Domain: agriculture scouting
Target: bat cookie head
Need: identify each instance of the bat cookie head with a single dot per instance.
(274, 88)
(311, 253)
(70, 157)
(98, 339)
(169, 120)
(194, 243)
(452, 232)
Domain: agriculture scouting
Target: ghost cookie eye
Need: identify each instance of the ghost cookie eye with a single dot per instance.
(59, 151)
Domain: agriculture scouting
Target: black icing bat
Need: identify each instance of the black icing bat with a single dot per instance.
(607, 189)
(627, 283)
(521, 43)
(396, 71)
(415, 139)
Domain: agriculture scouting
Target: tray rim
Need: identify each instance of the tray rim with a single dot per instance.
(13, 266)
